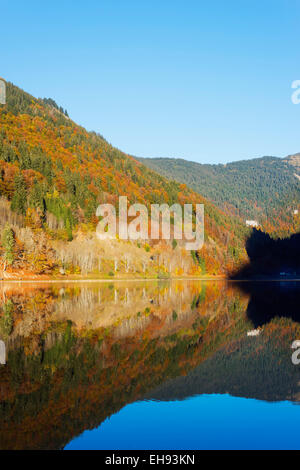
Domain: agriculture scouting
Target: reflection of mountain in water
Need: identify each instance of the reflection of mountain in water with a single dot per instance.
(253, 367)
(78, 354)
(250, 368)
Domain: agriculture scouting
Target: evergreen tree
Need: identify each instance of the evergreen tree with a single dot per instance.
(8, 243)
(69, 229)
(36, 198)
(19, 200)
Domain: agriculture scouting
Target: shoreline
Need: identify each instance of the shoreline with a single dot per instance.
(171, 279)
(138, 279)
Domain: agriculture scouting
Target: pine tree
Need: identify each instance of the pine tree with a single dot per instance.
(37, 199)
(19, 200)
(8, 242)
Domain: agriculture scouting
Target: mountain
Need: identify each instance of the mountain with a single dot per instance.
(294, 160)
(264, 189)
(54, 174)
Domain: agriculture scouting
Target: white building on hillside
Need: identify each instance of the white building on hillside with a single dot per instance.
(251, 223)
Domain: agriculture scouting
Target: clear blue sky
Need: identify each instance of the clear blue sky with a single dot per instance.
(208, 81)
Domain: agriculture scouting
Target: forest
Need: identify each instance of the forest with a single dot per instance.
(54, 174)
(265, 189)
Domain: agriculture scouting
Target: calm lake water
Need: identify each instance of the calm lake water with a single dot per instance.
(149, 365)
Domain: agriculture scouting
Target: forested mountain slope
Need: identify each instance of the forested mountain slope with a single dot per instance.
(265, 189)
(54, 174)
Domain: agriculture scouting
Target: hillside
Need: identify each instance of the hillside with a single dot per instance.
(54, 174)
(265, 189)
(294, 161)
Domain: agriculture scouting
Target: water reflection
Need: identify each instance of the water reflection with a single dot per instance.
(269, 300)
(78, 353)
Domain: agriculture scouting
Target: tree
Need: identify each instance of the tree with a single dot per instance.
(37, 197)
(19, 200)
(8, 242)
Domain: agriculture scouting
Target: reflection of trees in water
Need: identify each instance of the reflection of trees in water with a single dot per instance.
(259, 368)
(110, 305)
(66, 380)
(62, 379)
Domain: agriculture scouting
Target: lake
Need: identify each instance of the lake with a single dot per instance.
(149, 365)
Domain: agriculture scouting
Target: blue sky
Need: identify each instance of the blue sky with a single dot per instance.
(208, 81)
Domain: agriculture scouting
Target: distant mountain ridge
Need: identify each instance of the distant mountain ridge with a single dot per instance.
(265, 189)
(294, 160)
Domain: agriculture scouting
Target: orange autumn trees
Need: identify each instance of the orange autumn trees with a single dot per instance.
(53, 168)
